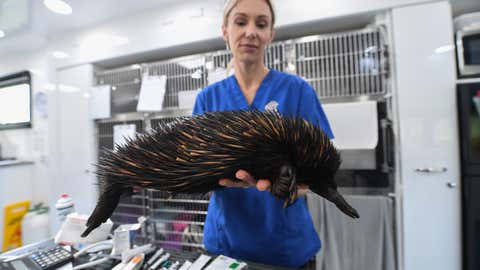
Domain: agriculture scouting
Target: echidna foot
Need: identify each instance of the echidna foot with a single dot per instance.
(284, 186)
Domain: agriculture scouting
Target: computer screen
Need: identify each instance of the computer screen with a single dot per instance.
(15, 101)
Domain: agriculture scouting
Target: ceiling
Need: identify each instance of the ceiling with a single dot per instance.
(28, 24)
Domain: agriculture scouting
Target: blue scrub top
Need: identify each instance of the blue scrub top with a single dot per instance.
(249, 224)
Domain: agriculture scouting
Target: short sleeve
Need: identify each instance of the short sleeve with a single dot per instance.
(311, 110)
(199, 107)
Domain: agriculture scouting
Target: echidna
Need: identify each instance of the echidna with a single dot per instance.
(191, 154)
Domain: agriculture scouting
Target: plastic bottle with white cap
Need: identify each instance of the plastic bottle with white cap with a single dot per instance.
(64, 207)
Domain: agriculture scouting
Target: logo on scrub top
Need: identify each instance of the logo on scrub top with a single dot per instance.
(272, 106)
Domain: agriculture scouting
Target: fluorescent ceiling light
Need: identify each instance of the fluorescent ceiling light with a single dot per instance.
(58, 6)
(59, 54)
(2, 34)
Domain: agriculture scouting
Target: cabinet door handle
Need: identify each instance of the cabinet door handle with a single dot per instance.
(431, 170)
(451, 184)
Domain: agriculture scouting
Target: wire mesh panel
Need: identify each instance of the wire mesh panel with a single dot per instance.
(130, 208)
(217, 65)
(345, 64)
(118, 76)
(178, 222)
(183, 74)
(274, 57)
(155, 123)
(220, 59)
(105, 133)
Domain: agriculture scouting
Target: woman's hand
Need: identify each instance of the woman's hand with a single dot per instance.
(249, 181)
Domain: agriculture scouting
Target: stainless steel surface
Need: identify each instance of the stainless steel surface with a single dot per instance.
(358, 159)
(130, 74)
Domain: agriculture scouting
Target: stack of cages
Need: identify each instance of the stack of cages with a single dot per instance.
(341, 67)
(345, 65)
(177, 222)
(350, 67)
(174, 223)
(124, 84)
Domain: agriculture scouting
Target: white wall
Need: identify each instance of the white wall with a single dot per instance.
(73, 151)
(31, 144)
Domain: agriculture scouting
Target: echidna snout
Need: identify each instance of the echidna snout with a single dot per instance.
(328, 190)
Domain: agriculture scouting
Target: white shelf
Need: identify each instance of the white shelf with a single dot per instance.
(14, 162)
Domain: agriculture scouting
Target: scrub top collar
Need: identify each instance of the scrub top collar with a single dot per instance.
(240, 99)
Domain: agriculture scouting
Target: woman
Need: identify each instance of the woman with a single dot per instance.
(250, 223)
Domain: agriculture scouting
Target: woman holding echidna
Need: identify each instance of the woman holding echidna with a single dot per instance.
(250, 223)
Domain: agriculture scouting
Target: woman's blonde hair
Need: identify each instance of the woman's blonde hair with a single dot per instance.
(230, 4)
(227, 9)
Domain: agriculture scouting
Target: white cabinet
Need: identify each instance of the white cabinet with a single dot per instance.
(428, 134)
(73, 141)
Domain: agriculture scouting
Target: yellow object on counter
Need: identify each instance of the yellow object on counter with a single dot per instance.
(12, 227)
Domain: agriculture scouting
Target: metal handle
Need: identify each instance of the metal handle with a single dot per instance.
(431, 170)
(387, 140)
(451, 184)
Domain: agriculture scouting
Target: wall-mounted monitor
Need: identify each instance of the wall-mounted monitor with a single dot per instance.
(16, 101)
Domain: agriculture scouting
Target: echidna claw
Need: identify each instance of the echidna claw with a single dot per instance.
(291, 199)
(285, 202)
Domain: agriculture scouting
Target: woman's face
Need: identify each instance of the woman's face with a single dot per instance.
(249, 30)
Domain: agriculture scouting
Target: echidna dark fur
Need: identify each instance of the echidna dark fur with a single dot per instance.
(192, 154)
